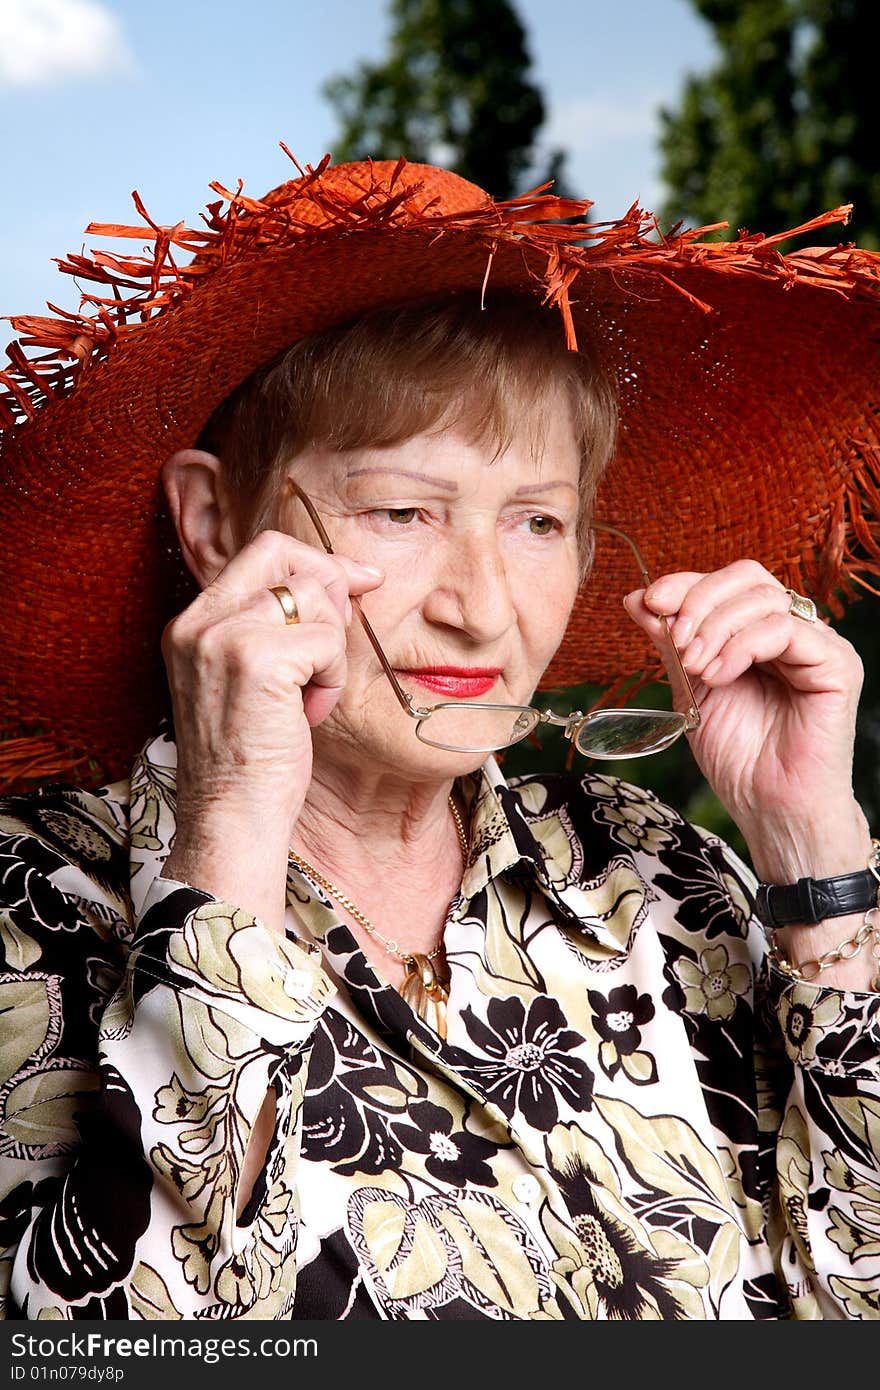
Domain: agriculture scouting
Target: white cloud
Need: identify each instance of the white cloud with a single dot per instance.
(610, 142)
(596, 121)
(44, 42)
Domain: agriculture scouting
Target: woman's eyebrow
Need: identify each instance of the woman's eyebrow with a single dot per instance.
(443, 483)
(540, 486)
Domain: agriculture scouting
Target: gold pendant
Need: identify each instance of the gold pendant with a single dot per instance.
(424, 992)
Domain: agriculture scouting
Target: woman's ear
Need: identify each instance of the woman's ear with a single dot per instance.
(202, 511)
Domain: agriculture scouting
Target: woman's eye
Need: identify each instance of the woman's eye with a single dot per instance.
(541, 525)
(402, 516)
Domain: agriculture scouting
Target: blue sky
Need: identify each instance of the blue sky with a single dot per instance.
(99, 97)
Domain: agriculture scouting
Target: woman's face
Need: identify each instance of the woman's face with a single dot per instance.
(481, 571)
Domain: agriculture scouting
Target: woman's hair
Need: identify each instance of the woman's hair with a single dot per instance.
(398, 372)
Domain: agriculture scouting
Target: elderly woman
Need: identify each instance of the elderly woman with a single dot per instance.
(318, 1015)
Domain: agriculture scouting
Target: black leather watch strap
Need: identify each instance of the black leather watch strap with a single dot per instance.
(811, 900)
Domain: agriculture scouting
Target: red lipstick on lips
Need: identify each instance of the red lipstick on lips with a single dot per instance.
(455, 682)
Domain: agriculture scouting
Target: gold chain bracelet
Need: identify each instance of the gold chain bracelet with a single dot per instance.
(809, 970)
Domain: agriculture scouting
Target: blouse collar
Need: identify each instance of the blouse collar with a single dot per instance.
(511, 831)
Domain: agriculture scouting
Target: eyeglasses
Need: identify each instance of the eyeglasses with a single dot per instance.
(459, 726)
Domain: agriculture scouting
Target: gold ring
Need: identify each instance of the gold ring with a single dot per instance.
(287, 601)
(801, 607)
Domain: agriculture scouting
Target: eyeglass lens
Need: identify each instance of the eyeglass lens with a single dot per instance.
(466, 728)
(624, 733)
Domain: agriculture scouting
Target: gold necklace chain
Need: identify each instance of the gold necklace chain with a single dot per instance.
(390, 945)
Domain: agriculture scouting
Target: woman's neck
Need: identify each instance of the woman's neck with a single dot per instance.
(355, 826)
(393, 849)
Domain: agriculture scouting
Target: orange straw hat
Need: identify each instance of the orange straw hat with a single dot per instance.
(748, 382)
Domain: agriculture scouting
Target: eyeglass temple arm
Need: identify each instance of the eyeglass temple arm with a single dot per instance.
(685, 687)
(355, 601)
(677, 674)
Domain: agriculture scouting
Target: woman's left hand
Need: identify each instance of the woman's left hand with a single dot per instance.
(777, 695)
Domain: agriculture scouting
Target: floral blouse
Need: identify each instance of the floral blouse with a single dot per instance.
(631, 1116)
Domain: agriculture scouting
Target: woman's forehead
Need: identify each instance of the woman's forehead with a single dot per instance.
(449, 459)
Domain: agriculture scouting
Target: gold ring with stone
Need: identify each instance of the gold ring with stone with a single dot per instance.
(801, 607)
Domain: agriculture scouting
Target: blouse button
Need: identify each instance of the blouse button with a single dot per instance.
(297, 983)
(526, 1189)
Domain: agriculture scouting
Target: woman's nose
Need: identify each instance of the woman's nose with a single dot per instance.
(473, 593)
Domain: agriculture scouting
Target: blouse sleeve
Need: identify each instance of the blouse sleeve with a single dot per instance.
(120, 1184)
(828, 1145)
(819, 1093)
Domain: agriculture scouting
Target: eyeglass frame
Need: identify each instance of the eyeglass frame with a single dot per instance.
(572, 724)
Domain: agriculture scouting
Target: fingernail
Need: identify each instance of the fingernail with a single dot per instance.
(372, 570)
(694, 651)
(712, 668)
(682, 628)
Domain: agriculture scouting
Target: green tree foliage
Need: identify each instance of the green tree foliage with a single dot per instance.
(785, 126)
(455, 90)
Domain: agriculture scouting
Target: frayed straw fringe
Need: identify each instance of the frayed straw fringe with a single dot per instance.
(52, 355)
(32, 760)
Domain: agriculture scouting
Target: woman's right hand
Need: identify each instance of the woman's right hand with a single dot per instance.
(247, 688)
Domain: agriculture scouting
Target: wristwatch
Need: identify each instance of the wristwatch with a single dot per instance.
(811, 900)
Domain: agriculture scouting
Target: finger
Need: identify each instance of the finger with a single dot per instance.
(656, 628)
(731, 616)
(273, 556)
(306, 655)
(689, 597)
(651, 622)
(768, 639)
(320, 658)
(317, 640)
(810, 657)
(312, 602)
(805, 644)
(319, 701)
